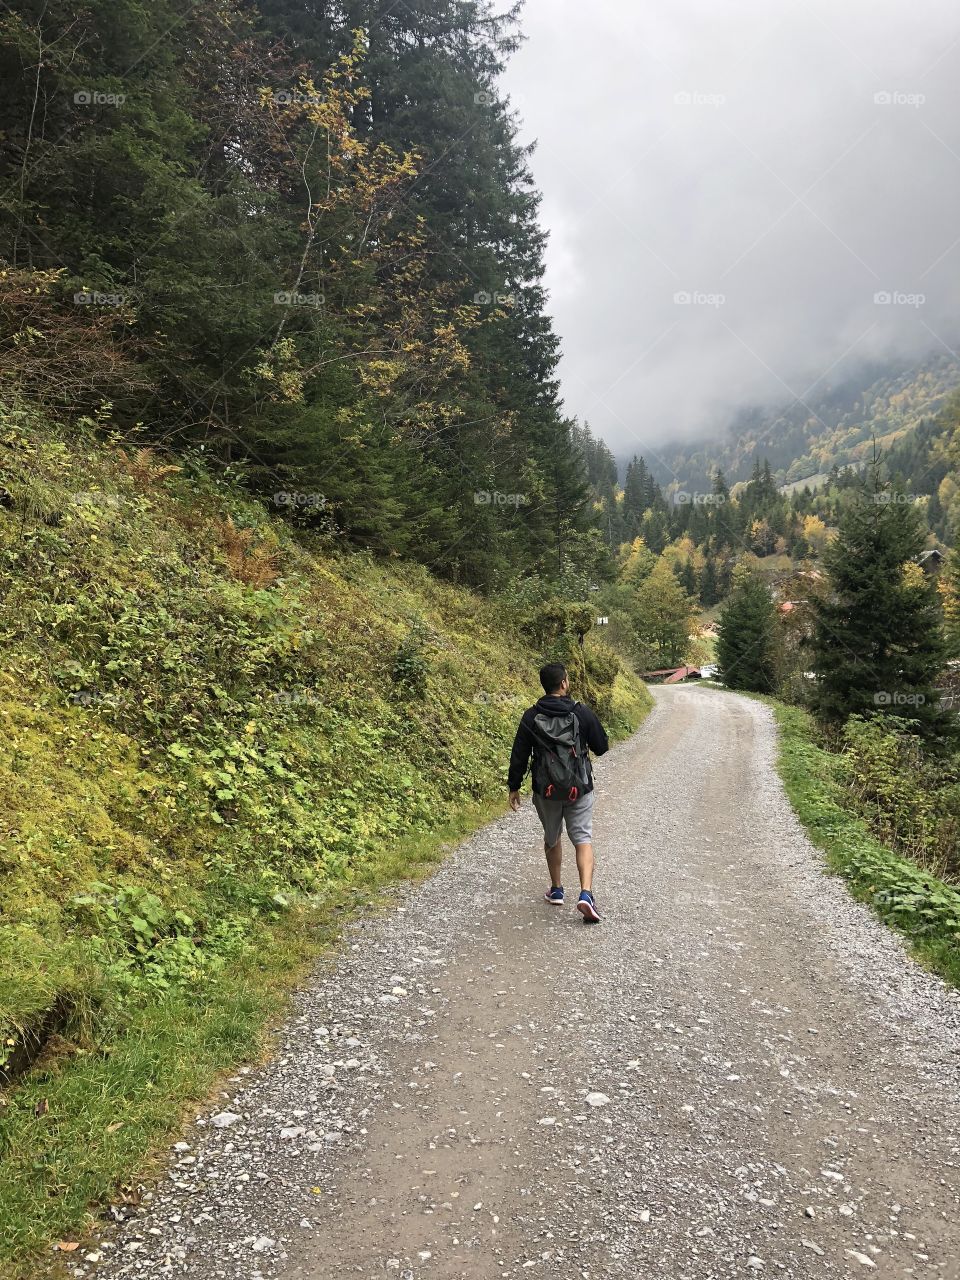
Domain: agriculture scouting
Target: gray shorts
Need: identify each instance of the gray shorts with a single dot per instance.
(578, 817)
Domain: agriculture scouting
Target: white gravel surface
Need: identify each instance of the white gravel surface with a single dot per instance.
(739, 1071)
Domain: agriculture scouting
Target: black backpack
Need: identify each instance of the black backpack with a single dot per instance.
(560, 767)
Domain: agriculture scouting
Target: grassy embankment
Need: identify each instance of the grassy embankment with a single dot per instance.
(217, 738)
(925, 909)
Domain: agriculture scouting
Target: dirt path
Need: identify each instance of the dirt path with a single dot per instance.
(778, 1080)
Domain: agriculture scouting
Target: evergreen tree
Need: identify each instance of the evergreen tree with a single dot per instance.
(636, 497)
(747, 650)
(709, 594)
(878, 641)
(655, 529)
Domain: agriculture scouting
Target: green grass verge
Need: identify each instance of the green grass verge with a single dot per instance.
(89, 1126)
(921, 907)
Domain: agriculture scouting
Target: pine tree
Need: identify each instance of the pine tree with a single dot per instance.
(688, 578)
(878, 641)
(709, 594)
(747, 650)
(636, 497)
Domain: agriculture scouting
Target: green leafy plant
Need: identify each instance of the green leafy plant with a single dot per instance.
(411, 666)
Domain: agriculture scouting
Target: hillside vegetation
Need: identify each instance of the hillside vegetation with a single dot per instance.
(835, 426)
(217, 733)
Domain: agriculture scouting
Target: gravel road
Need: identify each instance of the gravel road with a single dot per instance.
(739, 1071)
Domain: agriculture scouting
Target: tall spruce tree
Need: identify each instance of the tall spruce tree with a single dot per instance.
(708, 584)
(636, 499)
(878, 641)
(747, 650)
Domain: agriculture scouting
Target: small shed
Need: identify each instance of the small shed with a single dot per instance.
(931, 561)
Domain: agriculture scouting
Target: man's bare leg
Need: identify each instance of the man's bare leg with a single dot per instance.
(554, 855)
(584, 865)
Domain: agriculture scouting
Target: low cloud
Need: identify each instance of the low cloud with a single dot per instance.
(746, 202)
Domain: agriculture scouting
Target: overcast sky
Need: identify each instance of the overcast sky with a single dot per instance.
(777, 163)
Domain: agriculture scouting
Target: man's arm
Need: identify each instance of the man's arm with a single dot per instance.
(595, 733)
(519, 758)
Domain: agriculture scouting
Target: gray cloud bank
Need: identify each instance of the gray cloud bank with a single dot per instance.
(745, 200)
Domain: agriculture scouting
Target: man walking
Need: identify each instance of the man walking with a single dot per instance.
(560, 734)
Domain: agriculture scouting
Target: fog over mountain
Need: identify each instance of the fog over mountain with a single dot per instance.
(744, 201)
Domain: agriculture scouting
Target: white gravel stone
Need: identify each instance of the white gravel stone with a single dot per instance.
(862, 1258)
(224, 1119)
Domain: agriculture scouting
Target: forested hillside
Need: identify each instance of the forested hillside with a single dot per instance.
(302, 236)
(835, 425)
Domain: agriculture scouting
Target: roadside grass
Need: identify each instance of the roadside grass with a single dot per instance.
(923, 908)
(87, 1127)
(219, 739)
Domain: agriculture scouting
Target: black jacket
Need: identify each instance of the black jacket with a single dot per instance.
(592, 736)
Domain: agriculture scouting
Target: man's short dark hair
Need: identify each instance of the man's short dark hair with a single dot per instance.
(552, 676)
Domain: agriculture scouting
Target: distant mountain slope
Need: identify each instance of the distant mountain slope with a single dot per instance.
(835, 426)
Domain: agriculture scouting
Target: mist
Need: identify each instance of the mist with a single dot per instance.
(746, 203)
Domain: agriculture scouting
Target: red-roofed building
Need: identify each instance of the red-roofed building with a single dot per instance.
(671, 675)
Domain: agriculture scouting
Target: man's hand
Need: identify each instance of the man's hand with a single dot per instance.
(514, 800)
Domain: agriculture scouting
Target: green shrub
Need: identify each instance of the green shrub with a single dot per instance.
(905, 895)
(410, 664)
(908, 797)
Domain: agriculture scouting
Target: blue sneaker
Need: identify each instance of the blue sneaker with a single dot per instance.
(554, 895)
(588, 908)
